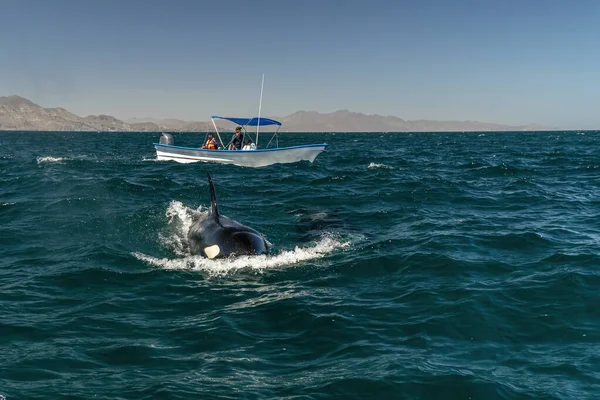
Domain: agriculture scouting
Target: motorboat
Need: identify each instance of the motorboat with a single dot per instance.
(255, 156)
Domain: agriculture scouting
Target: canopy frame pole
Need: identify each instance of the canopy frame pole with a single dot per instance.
(259, 108)
(216, 130)
(247, 133)
(275, 135)
(244, 135)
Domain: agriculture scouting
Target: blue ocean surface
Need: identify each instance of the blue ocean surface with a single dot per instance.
(403, 266)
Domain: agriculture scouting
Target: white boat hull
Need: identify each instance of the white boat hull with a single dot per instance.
(243, 158)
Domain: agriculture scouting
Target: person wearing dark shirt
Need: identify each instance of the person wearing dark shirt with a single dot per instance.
(237, 140)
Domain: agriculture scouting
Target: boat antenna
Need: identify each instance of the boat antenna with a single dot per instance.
(259, 107)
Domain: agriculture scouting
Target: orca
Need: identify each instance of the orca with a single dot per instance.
(217, 236)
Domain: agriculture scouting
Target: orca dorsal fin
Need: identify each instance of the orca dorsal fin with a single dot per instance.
(213, 199)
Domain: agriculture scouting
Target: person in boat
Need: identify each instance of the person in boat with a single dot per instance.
(249, 145)
(211, 143)
(237, 140)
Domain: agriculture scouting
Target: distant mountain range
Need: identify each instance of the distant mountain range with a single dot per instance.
(20, 114)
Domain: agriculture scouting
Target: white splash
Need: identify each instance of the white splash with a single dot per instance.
(256, 263)
(182, 217)
(375, 165)
(49, 159)
(4, 205)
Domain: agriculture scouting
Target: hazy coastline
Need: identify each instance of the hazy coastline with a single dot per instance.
(20, 114)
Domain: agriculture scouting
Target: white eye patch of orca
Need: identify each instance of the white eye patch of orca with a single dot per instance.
(212, 251)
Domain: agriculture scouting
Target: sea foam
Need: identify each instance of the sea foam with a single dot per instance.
(376, 165)
(49, 159)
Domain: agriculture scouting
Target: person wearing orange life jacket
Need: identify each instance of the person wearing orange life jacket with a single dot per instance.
(211, 143)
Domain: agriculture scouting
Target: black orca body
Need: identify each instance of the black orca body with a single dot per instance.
(216, 236)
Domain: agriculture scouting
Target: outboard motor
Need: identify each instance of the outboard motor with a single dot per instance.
(166, 138)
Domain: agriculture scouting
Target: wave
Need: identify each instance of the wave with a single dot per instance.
(373, 165)
(473, 165)
(49, 159)
(181, 219)
(502, 169)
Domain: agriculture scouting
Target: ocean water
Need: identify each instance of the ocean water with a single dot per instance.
(403, 266)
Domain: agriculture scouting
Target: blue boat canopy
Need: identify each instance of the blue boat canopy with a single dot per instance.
(250, 121)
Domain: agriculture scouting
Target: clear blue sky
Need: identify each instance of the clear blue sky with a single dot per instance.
(505, 61)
